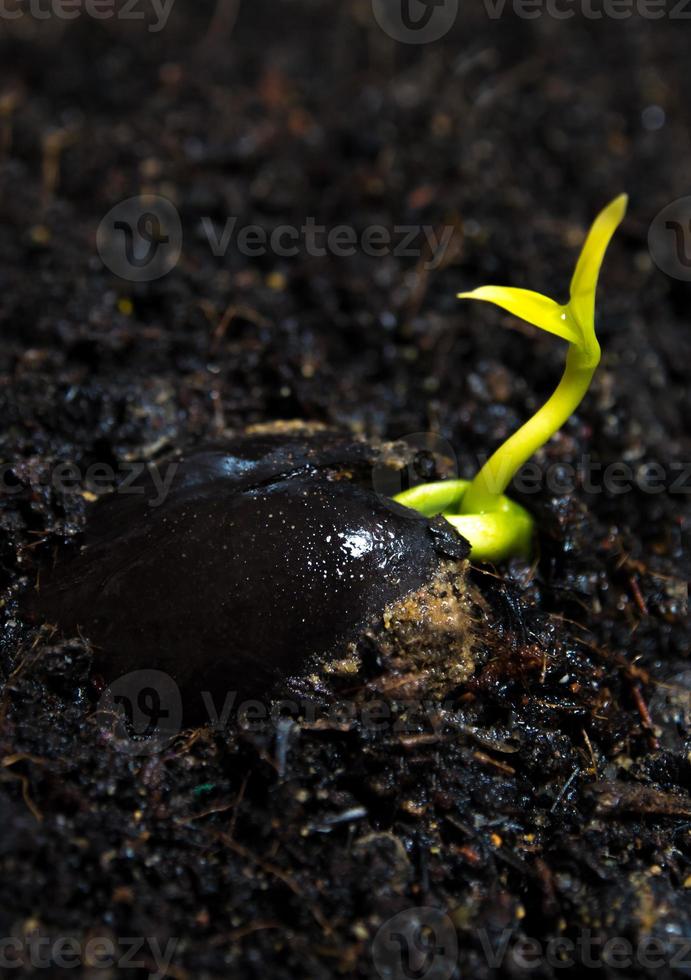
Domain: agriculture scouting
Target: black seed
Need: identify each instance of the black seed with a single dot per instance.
(262, 555)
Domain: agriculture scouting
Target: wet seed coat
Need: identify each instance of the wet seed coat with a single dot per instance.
(264, 554)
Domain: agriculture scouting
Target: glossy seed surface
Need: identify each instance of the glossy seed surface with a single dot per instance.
(261, 555)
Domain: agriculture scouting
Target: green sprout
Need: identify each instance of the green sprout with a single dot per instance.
(496, 526)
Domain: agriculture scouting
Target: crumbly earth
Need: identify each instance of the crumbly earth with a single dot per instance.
(421, 646)
(545, 795)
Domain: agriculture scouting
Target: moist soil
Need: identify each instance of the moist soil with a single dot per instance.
(544, 795)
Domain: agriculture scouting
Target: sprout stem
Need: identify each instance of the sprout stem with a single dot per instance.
(484, 493)
(496, 526)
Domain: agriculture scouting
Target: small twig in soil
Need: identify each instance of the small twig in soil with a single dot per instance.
(647, 722)
(282, 876)
(221, 808)
(412, 741)
(238, 800)
(564, 790)
(8, 104)
(222, 23)
(589, 746)
(231, 313)
(11, 760)
(488, 760)
(638, 595)
(54, 143)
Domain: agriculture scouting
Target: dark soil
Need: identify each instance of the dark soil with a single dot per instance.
(547, 796)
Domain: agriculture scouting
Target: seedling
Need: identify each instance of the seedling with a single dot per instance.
(496, 526)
